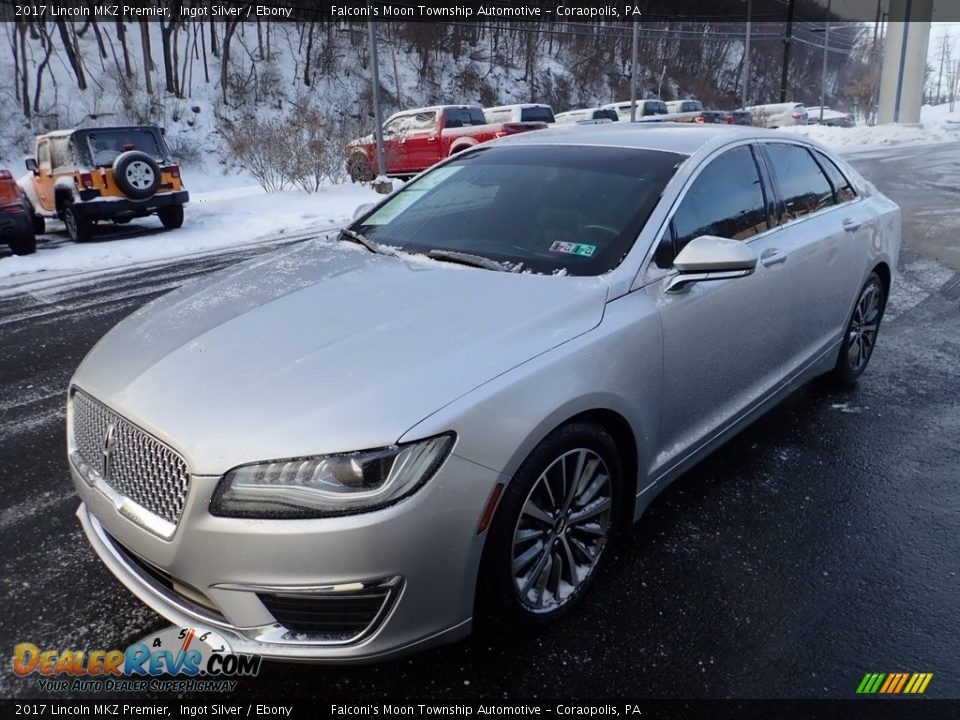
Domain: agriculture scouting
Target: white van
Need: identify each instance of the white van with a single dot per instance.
(586, 115)
(684, 106)
(525, 112)
(779, 114)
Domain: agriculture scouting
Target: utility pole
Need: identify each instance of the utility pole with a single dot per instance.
(379, 186)
(823, 77)
(787, 41)
(633, 75)
(746, 60)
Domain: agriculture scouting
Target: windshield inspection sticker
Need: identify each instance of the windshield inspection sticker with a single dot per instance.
(571, 248)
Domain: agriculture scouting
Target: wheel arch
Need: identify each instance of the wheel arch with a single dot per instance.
(462, 145)
(886, 277)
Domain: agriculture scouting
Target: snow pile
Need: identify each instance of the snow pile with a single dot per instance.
(937, 124)
(214, 220)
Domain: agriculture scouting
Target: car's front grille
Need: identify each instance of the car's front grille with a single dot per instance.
(132, 462)
(331, 617)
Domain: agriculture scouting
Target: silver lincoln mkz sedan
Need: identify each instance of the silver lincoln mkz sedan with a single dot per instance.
(339, 450)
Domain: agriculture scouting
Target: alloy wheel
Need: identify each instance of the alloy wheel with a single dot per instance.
(862, 336)
(562, 530)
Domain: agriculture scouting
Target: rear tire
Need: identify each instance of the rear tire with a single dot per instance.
(25, 244)
(79, 227)
(552, 528)
(171, 216)
(860, 337)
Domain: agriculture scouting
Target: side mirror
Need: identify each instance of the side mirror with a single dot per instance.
(711, 258)
(32, 165)
(362, 210)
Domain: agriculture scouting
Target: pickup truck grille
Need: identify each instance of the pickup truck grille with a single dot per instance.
(140, 467)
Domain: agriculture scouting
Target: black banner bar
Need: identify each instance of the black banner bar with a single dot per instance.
(866, 709)
(687, 11)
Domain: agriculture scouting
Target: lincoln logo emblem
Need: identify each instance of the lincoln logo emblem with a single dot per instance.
(109, 444)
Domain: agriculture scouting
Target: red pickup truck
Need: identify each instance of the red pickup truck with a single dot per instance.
(416, 139)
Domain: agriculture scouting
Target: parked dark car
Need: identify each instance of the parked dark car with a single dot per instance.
(16, 217)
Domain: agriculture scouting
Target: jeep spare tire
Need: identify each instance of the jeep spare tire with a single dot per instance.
(136, 174)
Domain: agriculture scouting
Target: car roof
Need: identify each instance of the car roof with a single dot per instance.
(680, 138)
(95, 128)
(517, 105)
(434, 108)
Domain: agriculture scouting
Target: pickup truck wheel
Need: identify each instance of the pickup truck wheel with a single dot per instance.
(359, 169)
(171, 216)
(79, 228)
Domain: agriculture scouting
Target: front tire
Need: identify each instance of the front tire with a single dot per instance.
(860, 337)
(171, 216)
(553, 527)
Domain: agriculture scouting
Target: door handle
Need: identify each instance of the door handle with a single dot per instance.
(851, 225)
(773, 256)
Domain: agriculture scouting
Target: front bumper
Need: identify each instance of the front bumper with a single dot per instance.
(98, 208)
(423, 553)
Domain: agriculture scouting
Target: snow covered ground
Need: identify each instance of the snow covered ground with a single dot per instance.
(937, 124)
(216, 219)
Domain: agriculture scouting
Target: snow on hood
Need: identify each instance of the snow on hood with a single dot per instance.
(324, 348)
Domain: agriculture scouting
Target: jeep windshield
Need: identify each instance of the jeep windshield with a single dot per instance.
(106, 145)
(573, 210)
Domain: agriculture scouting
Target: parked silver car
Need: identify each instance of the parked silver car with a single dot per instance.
(339, 450)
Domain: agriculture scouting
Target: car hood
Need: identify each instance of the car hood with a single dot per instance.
(324, 348)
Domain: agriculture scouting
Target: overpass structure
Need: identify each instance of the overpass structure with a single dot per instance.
(904, 61)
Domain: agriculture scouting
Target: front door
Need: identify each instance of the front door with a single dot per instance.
(44, 179)
(725, 342)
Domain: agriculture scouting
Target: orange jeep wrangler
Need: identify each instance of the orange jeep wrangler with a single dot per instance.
(105, 173)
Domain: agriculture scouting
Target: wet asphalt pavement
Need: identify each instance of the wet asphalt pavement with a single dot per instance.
(820, 544)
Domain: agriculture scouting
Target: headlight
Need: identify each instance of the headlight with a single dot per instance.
(329, 485)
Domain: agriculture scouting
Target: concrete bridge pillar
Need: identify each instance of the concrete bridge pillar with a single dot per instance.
(904, 61)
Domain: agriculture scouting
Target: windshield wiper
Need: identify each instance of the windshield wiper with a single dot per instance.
(466, 259)
(369, 244)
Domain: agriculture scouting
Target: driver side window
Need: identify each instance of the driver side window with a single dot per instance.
(726, 199)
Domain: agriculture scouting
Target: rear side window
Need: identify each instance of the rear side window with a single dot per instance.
(43, 154)
(844, 190)
(536, 114)
(464, 117)
(804, 188)
(606, 115)
(725, 200)
(498, 116)
(423, 121)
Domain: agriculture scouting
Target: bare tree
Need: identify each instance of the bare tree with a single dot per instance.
(47, 45)
(147, 59)
(73, 57)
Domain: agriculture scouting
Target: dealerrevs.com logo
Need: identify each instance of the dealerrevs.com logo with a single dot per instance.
(199, 659)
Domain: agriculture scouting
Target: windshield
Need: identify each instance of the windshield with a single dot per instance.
(573, 210)
(106, 145)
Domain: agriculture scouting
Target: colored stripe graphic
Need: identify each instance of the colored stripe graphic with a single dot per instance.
(894, 683)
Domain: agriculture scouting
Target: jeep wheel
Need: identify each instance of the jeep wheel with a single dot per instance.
(171, 216)
(79, 227)
(136, 174)
(39, 225)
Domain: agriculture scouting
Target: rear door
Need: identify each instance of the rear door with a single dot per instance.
(725, 342)
(823, 243)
